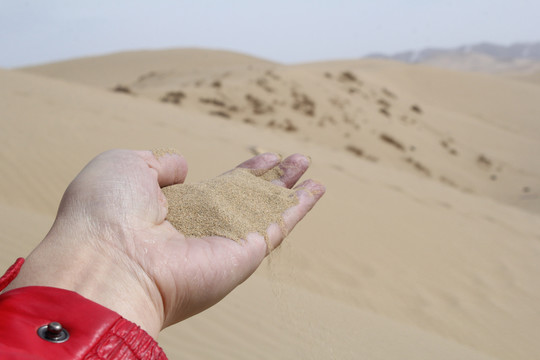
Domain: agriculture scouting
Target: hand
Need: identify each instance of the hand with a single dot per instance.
(111, 243)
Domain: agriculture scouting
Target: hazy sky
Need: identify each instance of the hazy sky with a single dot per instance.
(36, 31)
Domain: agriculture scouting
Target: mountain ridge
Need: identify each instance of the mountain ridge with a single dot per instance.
(505, 53)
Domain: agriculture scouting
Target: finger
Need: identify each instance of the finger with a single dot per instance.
(171, 168)
(261, 163)
(308, 193)
(292, 169)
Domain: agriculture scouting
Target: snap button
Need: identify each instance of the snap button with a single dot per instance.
(53, 332)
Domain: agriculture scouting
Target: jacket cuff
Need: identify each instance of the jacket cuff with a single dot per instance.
(95, 332)
(11, 273)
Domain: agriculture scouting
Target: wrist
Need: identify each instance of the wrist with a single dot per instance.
(105, 277)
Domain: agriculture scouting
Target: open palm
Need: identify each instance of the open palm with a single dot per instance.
(117, 206)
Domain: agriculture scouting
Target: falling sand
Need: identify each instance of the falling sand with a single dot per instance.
(231, 205)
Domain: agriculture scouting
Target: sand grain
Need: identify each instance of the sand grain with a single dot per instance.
(231, 205)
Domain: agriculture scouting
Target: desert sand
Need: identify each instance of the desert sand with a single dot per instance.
(426, 245)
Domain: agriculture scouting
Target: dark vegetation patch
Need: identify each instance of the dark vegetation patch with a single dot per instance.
(447, 145)
(415, 108)
(212, 101)
(391, 141)
(174, 97)
(448, 181)
(384, 107)
(146, 76)
(264, 84)
(287, 125)
(360, 153)
(388, 93)
(303, 104)
(355, 150)
(371, 158)
(122, 89)
(407, 120)
(222, 114)
(258, 106)
(385, 112)
(384, 103)
(272, 75)
(348, 76)
(484, 162)
(418, 166)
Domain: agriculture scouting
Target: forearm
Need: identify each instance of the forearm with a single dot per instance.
(97, 276)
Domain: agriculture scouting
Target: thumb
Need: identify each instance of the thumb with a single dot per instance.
(171, 167)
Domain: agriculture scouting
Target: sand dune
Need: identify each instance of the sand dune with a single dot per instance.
(416, 119)
(532, 75)
(111, 70)
(394, 263)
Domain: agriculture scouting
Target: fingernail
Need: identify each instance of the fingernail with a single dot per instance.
(314, 187)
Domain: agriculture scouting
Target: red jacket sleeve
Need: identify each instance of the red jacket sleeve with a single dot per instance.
(93, 332)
